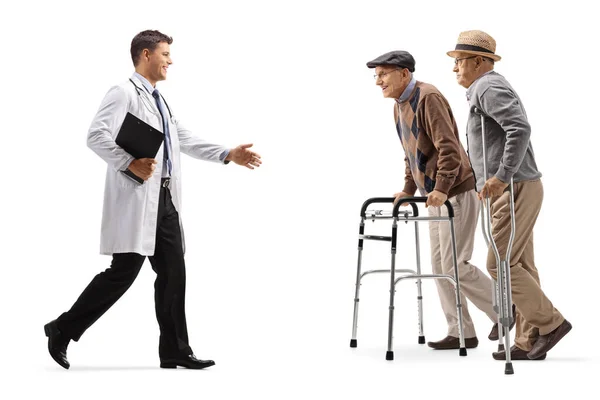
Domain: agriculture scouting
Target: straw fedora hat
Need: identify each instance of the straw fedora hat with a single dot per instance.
(475, 42)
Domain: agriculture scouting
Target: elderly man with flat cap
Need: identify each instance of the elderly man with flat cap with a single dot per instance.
(509, 155)
(437, 165)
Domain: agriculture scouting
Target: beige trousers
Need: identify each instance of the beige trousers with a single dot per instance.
(474, 283)
(535, 313)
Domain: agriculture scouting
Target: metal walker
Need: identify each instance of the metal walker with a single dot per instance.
(410, 274)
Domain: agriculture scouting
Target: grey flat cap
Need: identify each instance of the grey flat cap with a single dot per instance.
(398, 58)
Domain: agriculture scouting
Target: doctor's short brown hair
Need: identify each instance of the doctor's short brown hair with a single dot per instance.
(147, 40)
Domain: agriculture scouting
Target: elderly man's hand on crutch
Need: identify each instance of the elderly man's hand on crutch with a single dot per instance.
(493, 187)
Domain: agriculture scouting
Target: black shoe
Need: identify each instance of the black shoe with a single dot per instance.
(57, 344)
(190, 362)
(494, 333)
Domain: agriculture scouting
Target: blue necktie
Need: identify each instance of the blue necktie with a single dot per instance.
(165, 121)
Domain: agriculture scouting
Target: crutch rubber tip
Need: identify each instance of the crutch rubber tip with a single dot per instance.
(508, 370)
(500, 348)
(353, 343)
(421, 339)
(389, 355)
(463, 351)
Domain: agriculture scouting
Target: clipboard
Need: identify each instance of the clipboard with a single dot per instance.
(139, 139)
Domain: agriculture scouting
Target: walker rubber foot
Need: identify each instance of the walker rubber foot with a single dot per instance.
(508, 370)
(463, 351)
(421, 339)
(389, 355)
(353, 343)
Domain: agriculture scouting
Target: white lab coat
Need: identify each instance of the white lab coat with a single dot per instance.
(130, 211)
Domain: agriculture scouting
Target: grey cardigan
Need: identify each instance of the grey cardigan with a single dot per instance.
(507, 132)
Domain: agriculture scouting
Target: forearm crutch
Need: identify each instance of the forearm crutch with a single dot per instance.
(502, 299)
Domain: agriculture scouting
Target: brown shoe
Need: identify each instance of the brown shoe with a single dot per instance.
(546, 342)
(451, 343)
(494, 333)
(515, 354)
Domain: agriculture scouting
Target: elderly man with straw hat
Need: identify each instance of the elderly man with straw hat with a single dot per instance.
(540, 326)
(437, 165)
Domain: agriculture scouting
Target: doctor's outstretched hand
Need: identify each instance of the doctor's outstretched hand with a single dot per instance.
(143, 167)
(242, 156)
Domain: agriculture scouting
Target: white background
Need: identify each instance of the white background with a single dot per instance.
(272, 252)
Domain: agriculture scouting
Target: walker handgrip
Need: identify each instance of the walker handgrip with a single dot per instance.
(385, 200)
(413, 200)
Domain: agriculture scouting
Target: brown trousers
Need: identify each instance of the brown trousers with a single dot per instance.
(535, 313)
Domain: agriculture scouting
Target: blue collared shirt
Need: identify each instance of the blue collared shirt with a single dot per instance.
(406, 94)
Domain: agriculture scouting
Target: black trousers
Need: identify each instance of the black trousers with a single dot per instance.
(169, 288)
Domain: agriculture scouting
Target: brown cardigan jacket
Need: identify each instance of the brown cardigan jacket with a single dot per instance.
(435, 159)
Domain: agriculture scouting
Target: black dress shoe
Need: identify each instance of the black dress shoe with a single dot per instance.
(190, 362)
(515, 354)
(494, 333)
(57, 344)
(451, 343)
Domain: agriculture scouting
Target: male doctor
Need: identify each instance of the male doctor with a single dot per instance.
(142, 220)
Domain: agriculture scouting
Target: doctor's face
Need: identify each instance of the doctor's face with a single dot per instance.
(158, 62)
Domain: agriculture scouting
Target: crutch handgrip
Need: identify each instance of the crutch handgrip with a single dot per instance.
(477, 111)
(413, 200)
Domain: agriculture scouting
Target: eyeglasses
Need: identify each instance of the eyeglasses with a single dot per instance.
(456, 60)
(382, 74)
